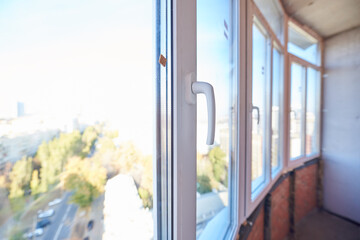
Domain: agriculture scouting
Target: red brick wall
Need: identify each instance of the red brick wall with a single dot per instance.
(305, 201)
(257, 232)
(305, 191)
(280, 223)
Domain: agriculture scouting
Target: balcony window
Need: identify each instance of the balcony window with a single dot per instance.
(303, 45)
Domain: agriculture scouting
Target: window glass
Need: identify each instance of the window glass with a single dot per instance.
(76, 132)
(273, 14)
(297, 110)
(312, 111)
(260, 79)
(215, 65)
(276, 110)
(303, 45)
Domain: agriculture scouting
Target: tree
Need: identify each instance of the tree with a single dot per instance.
(203, 184)
(88, 139)
(54, 155)
(20, 177)
(86, 177)
(35, 183)
(129, 158)
(146, 185)
(217, 159)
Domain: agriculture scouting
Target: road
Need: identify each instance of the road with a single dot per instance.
(61, 221)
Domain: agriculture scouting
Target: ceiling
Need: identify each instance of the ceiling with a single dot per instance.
(326, 17)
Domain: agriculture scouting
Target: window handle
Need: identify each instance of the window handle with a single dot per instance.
(258, 113)
(208, 90)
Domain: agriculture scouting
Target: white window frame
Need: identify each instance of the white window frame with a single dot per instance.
(295, 162)
(184, 122)
(270, 179)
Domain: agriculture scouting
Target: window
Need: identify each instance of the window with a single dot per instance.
(276, 111)
(74, 133)
(274, 15)
(297, 106)
(303, 45)
(260, 106)
(305, 111)
(312, 111)
(216, 57)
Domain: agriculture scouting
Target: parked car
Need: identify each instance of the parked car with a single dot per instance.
(54, 202)
(90, 225)
(43, 223)
(38, 232)
(28, 235)
(47, 213)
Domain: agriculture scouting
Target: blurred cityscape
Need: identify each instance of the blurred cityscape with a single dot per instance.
(68, 178)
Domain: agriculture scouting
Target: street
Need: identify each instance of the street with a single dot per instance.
(60, 227)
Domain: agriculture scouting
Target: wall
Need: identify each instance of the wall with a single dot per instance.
(341, 125)
(305, 191)
(292, 197)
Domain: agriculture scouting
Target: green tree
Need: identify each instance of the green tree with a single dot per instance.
(20, 177)
(217, 159)
(203, 184)
(35, 183)
(86, 177)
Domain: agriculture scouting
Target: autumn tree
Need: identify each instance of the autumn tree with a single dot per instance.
(86, 177)
(53, 156)
(217, 159)
(88, 139)
(35, 183)
(20, 177)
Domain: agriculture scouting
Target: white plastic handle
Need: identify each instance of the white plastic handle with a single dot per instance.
(208, 90)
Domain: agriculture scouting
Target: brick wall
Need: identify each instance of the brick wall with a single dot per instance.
(280, 223)
(278, 214)
(305, 191)
(257, 231)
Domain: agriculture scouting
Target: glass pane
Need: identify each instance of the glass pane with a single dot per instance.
(296, 110)
(276, 110)
(75, 137)
(303, 45)
(273, 14)
(215, 65)
(259, 93)
(312, 111)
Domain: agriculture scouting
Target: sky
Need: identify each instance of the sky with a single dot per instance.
(214, 65)
(87, 57)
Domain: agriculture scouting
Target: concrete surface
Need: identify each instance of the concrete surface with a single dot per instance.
(326, 17)
(341, 125)
(325, 226)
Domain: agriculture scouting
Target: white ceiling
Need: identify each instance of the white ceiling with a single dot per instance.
(326, 17)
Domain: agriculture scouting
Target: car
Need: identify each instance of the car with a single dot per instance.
(38, 232)
(90, 225)
(28, 235)
(54, 202)
(43, 223)
(47, 213)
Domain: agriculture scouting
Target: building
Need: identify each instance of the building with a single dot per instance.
(124, 215)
